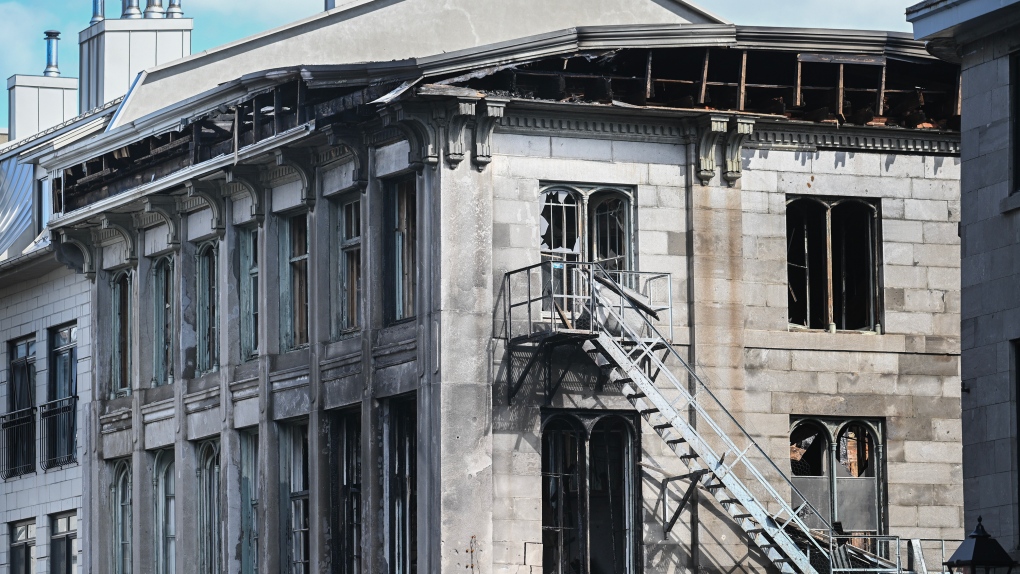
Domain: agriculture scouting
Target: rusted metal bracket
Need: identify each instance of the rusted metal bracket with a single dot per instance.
(668, 521)
(739, 130)
(710, 128)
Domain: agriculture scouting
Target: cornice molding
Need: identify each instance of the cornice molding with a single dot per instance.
(588, 126)
(490, 112)
(740, 129)
(892, 140)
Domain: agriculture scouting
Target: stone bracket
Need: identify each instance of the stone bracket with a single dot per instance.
(125, 226)
(248, 178)
(83, 241)
(420, 127)
(459, 112)
(302, 164)
(206, 191)
(354, 140)
(739, 130)
(168, 209)
(710, 129)
(489, 112)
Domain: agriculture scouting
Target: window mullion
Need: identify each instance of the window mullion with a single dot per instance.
(828, 269)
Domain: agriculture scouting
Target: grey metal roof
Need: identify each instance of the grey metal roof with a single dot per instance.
(15, 201)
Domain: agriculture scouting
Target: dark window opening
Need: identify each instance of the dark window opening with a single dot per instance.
(832, 264)
(18, 425)
(249, 502)
(64, 544)
(122, 517)
(809, 451)
(298, 284)
(249, 278)
(208, 355)
(163, 320)
(1014, 96)
(298, 520)
(348, 454)
(121, 356)
(210, 541)
(404, 221)
(23, 548)
(588, 496)
(59, 415)
(403, 486)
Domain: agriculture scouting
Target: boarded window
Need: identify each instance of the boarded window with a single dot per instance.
(833, 264)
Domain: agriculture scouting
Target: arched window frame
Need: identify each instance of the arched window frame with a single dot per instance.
(874, 267)
(584, 424)
(207, 317)
(163, 320)
(121, 499)
(121, 328)
(209, 518)
(164, 485)
(585, 202)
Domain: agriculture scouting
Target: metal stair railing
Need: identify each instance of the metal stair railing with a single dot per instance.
(631, 340)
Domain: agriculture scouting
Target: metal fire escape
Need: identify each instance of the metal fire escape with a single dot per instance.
(623, 321)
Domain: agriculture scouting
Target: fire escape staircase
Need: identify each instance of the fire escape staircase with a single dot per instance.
(617, 318)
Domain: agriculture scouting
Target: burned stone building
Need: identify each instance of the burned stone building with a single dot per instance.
(627, 289)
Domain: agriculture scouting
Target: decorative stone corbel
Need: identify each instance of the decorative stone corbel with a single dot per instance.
(125, 226)
(353, 140)
(739, 130)
(207, 191)
(302, 164)
(710, 129)
(489, 112)
(248, 178)
(167, 208)
(419, 126)
(459, 112)
(82, 240)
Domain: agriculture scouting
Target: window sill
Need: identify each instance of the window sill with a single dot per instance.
(804, 340)
(1010, 203)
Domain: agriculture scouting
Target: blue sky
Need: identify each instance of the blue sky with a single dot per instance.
(22, 23)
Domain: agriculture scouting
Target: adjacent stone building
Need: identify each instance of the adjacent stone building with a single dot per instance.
(505, 302)
(984, 38)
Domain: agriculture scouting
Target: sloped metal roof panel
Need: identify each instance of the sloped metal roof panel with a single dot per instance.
(15, 201)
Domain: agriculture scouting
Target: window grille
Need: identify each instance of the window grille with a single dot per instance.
(18, 425)
(60, 415)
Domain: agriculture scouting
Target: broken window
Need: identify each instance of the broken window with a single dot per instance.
(249, 278)
(350, 265)
(249, 502)
(348, 454)
(166, 515)
(588, 495)
(122, 517)
(833, 263)
(296, 460)
(841, 478)
(209, 515)
(404, 220)
(296, 304)
(19, 423)
(207, 309)
(586, 224)
(121, 355)
(163, 321)
(403, 486)
(64, 544)
(23, 548)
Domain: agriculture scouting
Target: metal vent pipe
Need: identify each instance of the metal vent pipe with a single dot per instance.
(154, 9)
(130, 9)
(98, 11)
(52, 70)
(175, 10)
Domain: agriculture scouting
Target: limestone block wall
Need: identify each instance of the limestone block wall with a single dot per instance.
(734, 240)
(989, 303)
(28, 308)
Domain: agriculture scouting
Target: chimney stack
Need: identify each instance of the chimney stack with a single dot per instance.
(154, 9)
(175, 10)
(98, 11)
(37, 103)
(52, 69)
(130, 10)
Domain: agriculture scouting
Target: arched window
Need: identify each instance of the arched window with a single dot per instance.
(122, 515)
(162, 321)
(587, 224)
(588, 494)
(832, 263)
(166, 513)
(210, 548)
(207, 317)
(841, 478)
(120, 357)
